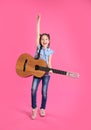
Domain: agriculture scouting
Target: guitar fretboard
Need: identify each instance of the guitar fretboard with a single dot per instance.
(46, 69)
(59, 71)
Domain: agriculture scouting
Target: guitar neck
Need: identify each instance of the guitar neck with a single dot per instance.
(59, 71)
(46, 69)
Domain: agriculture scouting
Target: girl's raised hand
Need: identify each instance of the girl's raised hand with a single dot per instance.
(38, 17)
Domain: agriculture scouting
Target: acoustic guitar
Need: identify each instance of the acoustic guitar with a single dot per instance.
(28, 66)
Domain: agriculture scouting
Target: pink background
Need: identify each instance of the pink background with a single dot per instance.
(69, 100)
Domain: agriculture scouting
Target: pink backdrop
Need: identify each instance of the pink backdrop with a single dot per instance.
(69, 100)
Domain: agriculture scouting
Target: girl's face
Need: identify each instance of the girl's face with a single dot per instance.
(45, 41)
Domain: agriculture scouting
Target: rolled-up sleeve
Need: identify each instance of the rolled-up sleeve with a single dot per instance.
(50, 52)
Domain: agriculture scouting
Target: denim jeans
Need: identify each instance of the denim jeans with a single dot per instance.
(35, 83)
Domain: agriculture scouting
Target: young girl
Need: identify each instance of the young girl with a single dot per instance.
(44, 52)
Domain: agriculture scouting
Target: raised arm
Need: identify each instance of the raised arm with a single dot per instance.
(38, 31)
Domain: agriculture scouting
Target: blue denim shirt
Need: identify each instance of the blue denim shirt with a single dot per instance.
(44, 53)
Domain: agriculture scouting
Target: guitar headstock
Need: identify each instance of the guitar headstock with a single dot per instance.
(73, 75)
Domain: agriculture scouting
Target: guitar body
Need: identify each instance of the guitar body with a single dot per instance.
(25, 66)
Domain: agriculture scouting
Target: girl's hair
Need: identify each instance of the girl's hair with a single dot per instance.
(43, 35)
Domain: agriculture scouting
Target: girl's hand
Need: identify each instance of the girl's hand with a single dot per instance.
(38, 17)
(50, 71)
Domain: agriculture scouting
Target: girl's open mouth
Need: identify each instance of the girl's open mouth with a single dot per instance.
(44, 43)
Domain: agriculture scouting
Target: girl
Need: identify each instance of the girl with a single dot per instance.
(44, 52)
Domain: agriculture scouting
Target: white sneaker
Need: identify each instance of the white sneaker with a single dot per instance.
(34, 113)
(42, 112)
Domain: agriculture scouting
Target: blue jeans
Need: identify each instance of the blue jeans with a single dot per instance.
(35, 83)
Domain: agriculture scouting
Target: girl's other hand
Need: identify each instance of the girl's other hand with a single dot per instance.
(50, 71)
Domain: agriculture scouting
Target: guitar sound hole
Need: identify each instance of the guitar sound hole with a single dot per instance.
(24, 67)
(36, 67)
